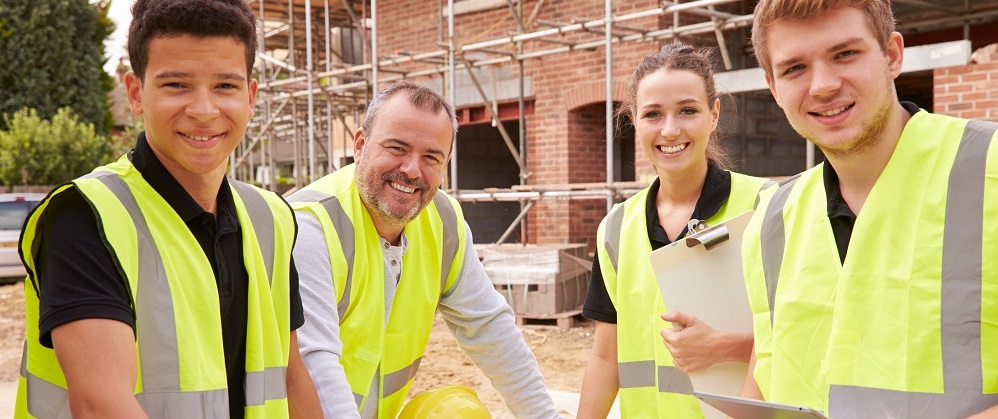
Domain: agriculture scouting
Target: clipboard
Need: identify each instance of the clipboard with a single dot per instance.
(702, 275)
(739, 408)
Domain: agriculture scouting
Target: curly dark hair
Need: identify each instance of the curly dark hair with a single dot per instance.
(199, 18)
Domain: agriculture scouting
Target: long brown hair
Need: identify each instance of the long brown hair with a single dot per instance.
(679, 55)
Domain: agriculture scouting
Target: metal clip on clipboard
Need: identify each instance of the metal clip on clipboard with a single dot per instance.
(709, 237)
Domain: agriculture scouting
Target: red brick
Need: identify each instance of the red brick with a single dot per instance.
(960, 70)
(972, 96)
(959, 88)
(976, 114)
(942, 80)
(975, 76)
(562, 147)
(946, 98)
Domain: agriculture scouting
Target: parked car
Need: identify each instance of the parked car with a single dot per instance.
(14, 208)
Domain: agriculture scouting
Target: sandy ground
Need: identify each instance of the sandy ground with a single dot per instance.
(562, 356)
(11, 344)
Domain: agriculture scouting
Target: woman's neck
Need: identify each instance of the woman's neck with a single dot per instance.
(681, 188)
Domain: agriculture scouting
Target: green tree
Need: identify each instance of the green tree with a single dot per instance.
(53, 53)
(125, 141)
(34, 151)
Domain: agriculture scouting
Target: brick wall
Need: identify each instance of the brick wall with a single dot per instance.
(587, 155)
(565, 138)
(969, 91)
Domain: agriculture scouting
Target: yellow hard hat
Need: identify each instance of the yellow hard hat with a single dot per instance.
(457, 402)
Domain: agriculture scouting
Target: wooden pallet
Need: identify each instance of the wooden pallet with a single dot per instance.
(563, 320)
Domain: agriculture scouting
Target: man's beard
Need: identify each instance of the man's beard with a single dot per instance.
(369, 186)
(869, 134)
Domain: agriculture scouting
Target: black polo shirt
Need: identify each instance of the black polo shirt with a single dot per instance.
(79, 278)
(840, 216)
(716, 188)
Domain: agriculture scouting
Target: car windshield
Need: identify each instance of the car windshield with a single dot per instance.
(13, 213)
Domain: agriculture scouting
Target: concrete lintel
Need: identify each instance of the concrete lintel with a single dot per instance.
(920, 58)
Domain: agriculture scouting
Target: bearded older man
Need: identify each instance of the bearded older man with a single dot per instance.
(367, 320)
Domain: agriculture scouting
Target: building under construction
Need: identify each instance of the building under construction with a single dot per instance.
(539, 156)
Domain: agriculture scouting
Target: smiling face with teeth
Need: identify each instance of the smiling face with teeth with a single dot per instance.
(834, 81)
(400, 162)
(674, 122)
(196, 99)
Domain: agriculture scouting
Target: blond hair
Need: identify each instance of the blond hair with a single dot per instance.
(767, 12)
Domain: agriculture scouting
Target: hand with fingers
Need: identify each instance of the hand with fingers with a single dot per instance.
(695, 345)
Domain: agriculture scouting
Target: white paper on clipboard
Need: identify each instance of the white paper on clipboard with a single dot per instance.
(709, 284)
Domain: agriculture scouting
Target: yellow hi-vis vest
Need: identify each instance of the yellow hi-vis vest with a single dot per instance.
(650, 386)
(431, 264)
(907, 327)
(180, 359)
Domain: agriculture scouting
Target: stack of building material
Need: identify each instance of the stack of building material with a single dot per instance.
(539, 281)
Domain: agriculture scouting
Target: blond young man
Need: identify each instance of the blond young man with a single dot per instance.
(872, 277)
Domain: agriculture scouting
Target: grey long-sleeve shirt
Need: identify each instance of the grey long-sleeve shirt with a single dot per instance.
(479, 318)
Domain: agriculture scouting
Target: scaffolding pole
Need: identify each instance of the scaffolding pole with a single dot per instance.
(609, 100)
(451, 87)
(374, 47)
(537, 35)
(300, 83)
(310, 129)
(283, 83)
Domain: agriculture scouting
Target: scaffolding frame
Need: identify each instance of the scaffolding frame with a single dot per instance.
(303, 92)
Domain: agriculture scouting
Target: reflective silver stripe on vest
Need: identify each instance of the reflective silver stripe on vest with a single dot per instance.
(758, 195)
(268, 384)
(962, 255)
(397, 380)
(157, 334)
(672, 380)
(96, 173)
(24, 360)
(451, 238)
(344, 230)
(45, 400)
(159, 356)
(960, 303)
(263, 222)
(636, 374)
(209, 404)
(612, 235)
(774, 240)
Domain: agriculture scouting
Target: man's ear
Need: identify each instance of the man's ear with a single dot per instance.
(358, 144)
(253, 86)
(895, 54)
(133, 91)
